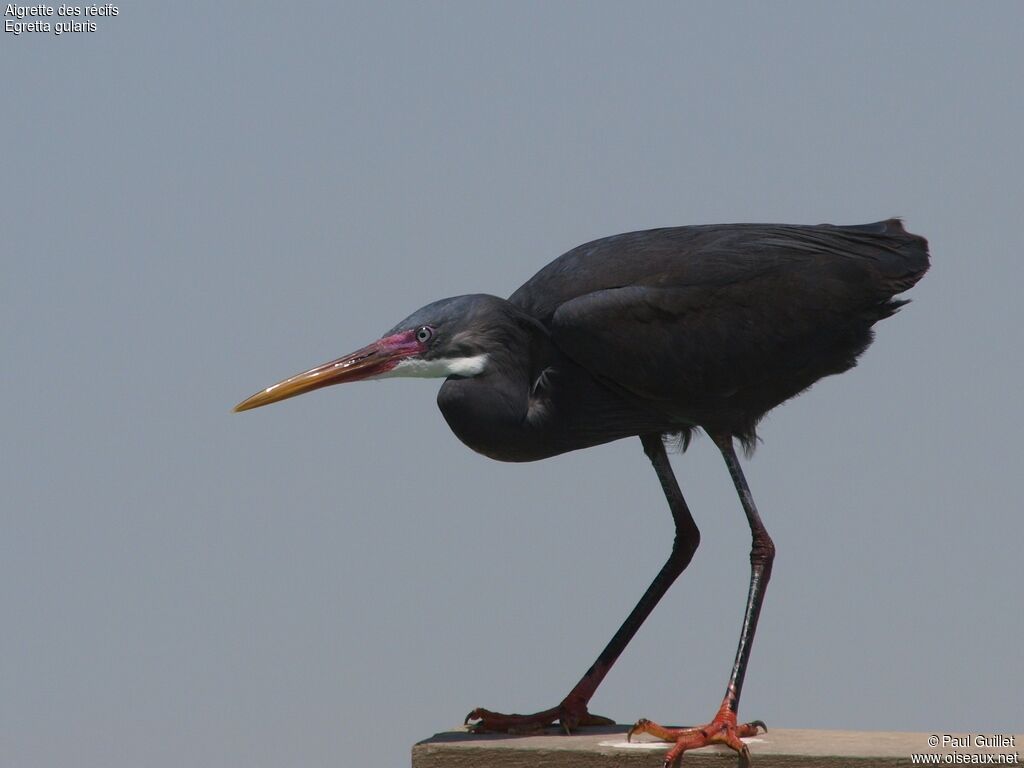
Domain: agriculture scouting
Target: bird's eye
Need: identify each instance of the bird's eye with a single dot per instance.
(424, 333)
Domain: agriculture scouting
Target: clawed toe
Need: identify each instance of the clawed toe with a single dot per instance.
(516, 725)
(722, 730)
(570, 718)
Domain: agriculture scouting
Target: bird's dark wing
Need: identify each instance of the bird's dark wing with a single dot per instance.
(713, 254)
(740, 320)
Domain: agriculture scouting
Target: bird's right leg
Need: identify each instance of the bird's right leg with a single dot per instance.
(724, 728)
(572, 711)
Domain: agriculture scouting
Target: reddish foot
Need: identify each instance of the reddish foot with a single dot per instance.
(570, 715)
(722, 730)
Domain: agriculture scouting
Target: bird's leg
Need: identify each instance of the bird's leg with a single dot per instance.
(723, 729)
(572, 712)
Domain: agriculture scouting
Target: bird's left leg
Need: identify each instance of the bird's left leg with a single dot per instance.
(724, 729)
(572, 712)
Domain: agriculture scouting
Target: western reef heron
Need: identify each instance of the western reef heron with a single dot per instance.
(651, 334)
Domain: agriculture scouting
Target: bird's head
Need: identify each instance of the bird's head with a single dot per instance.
(450, 337)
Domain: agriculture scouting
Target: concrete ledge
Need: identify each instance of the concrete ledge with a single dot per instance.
(607, 748)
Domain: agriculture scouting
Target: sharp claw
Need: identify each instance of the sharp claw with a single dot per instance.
(636, 727)
(760, 723)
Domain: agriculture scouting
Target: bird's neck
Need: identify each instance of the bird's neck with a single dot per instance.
(494, 412)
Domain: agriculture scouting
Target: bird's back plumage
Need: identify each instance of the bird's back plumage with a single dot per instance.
(715, 325)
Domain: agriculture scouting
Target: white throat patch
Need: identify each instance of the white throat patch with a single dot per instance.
(436, 369)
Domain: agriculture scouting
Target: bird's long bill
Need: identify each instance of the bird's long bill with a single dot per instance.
(373, 360)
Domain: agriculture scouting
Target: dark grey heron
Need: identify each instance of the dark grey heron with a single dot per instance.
(650, 334)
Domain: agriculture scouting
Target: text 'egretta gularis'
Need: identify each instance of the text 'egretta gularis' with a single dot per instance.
(651, 334)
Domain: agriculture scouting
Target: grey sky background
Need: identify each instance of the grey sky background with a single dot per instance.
(199, 199)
